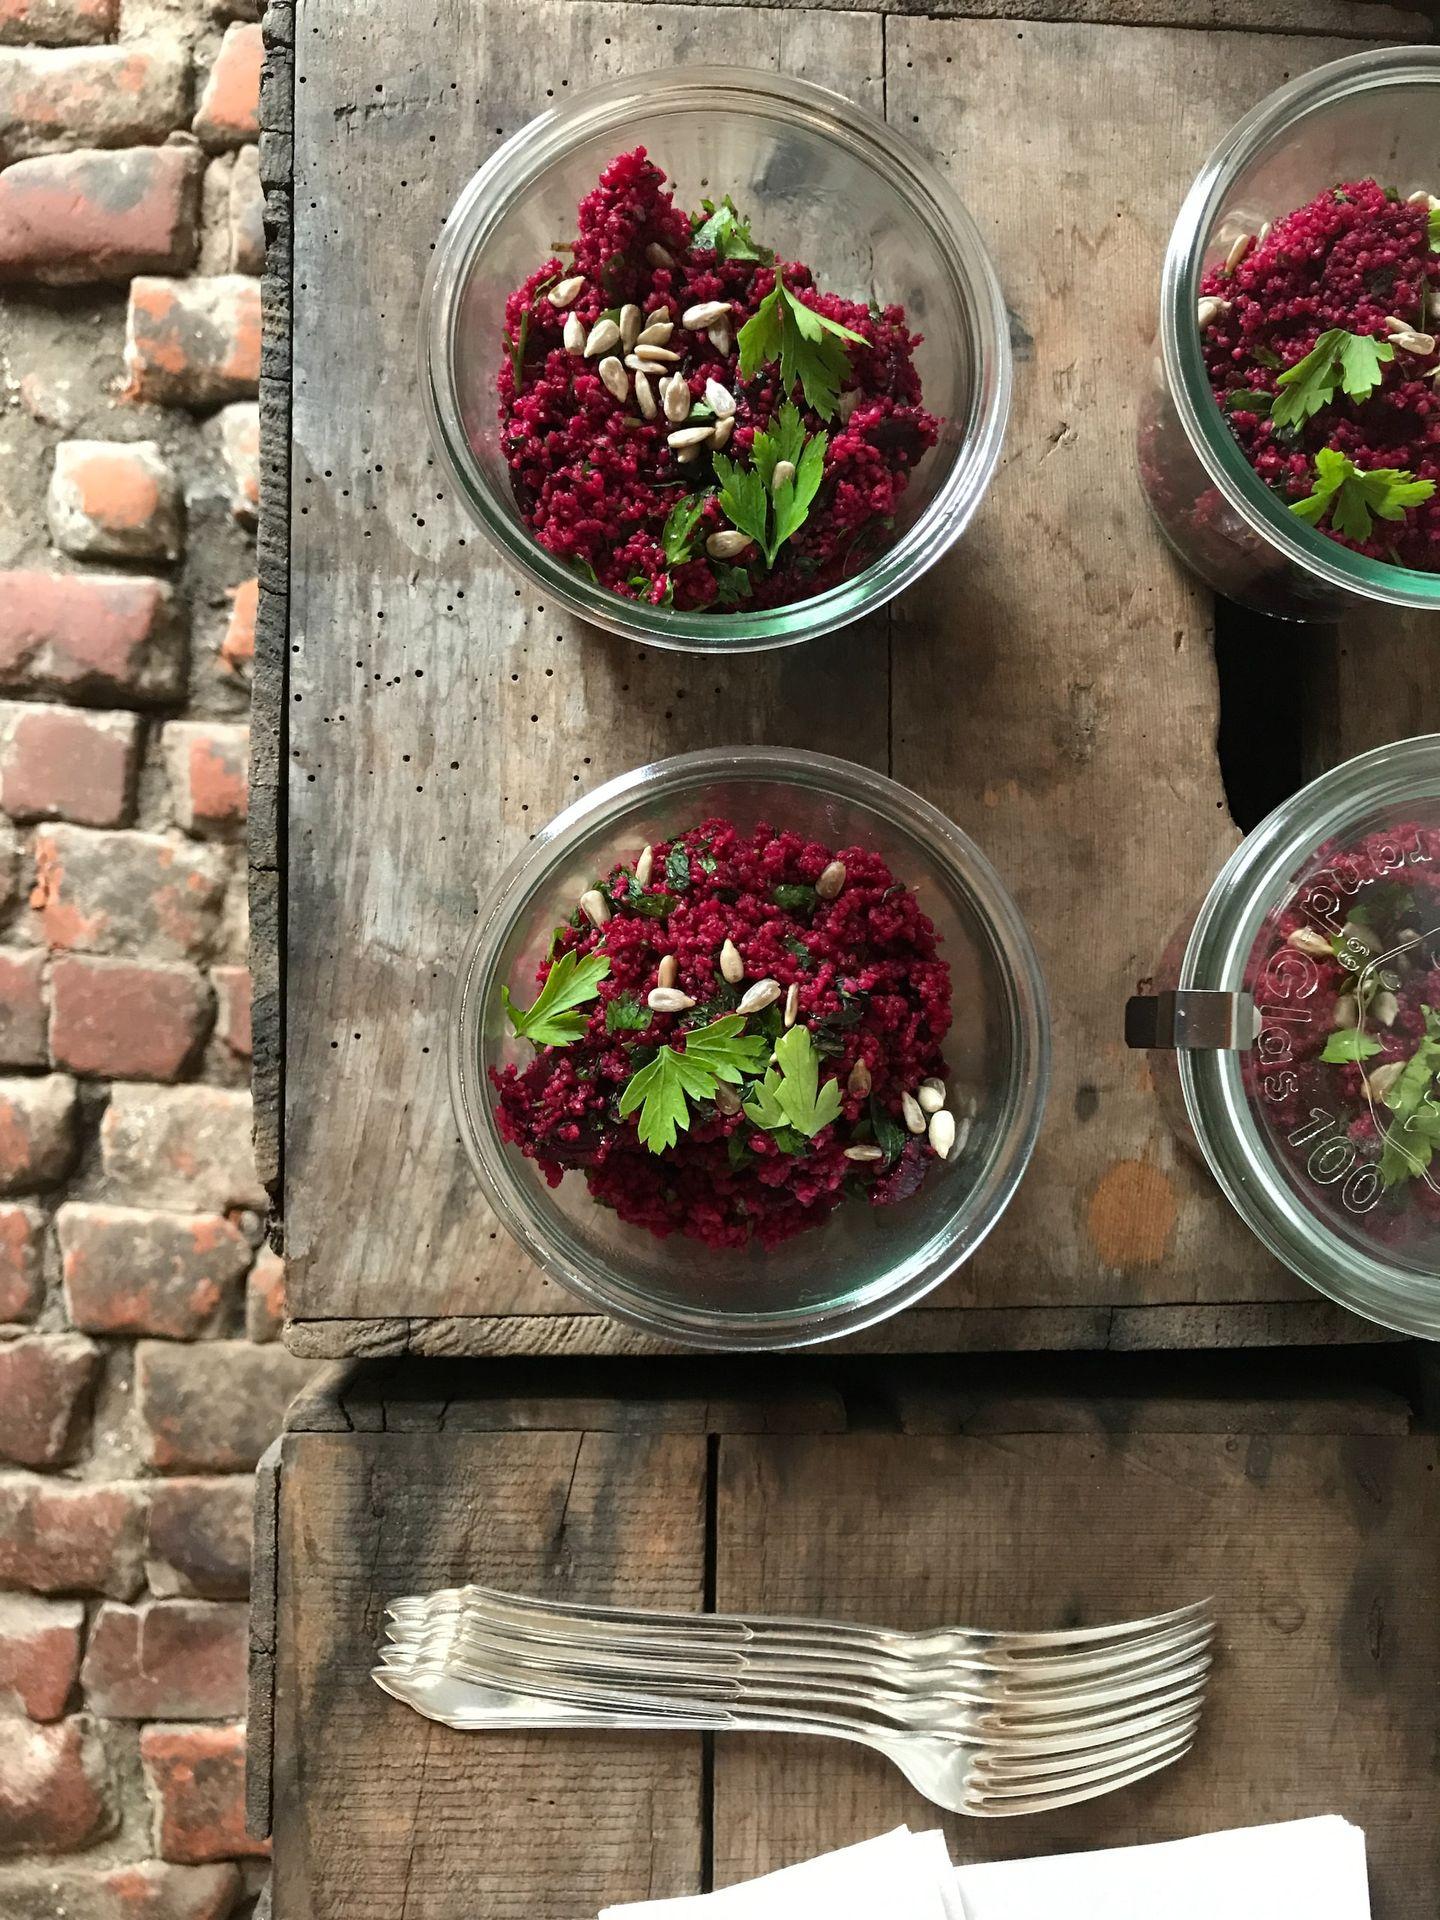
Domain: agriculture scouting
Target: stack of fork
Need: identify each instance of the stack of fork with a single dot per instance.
(980, 1723)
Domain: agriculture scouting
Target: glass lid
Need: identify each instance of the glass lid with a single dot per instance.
(1325, 1129)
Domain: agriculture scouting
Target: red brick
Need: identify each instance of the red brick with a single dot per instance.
(46, 1384)
(197, 1778)
(22, 1256)
(265, 1298)
(214, 1408)
(37, 1132)
(167, 1660)
(185, 1147)
(128, 1270)
(207, 762)
(240, 443)
(22, 1009)
(229, 111)
(232, 992)
(61, 1536)
(140, 1890)
(56, 23)
(114, 500)
(39, 1654)
(126, 893)
(200, 1534)
(193, 343)
(9, 861)
(237, 650)
(63, 763)
(90, 97)
(79, 218)
(127, 1022)
(90, 636)
(55, 1790)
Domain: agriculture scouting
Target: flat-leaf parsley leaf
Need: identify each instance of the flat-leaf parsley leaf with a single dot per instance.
(750, 498)
(660, 1090)
(678, 534)
(1351, 495)
(791, 1094)
(1349, 1045)
(727, 233)
(570, 983)
(1350, 362)
(809, 346)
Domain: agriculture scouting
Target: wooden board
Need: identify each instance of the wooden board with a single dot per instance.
(438, 711)
(1031, 1494)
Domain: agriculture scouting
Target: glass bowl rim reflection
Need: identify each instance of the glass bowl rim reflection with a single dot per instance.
(1010, 956)
(906, 173)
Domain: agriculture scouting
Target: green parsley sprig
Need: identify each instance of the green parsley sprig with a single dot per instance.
(1347, 1046)
(1355, 497)
(1339, 361)
(752, 500)
(790, 1095)
(571, 983)
(809, 346)
(726, 232)
(662, 1089)
(678, 534)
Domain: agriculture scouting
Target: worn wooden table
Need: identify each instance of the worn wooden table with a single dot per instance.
(420, 712)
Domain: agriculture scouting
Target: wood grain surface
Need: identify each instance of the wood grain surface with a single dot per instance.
(1052, 685)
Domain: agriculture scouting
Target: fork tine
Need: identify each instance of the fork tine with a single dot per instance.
(984, 1808)
(1018, 1773)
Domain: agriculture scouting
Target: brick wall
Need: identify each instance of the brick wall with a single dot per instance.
(140, 1374)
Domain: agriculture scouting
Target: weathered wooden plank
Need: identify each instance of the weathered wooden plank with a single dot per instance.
(382, 1815)
(260, 1705)
(1343, 18)
(1322, 1554)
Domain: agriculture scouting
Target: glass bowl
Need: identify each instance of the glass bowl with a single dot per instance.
(824, 182)
(863, 1263)
(1372, 115)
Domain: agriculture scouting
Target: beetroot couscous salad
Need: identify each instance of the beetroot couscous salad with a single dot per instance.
(1346, 1073)
(1320, 343)
(733, 1033)
(689, 420)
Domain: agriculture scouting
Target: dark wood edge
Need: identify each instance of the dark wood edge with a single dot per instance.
(264, 1604)
(269, 724)
(1395, 22)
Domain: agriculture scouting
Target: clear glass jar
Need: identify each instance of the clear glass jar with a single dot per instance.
(824, 182)
(1373, 115)
(863, 1263)
(1325, 924)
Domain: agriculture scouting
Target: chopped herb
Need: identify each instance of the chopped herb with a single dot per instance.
(660, 1090)
(809, 347)
(1351, 494)
(678, 536)
(570, 983)
(708, 862)
(1416, 1111)
(889, 1133)
(733, 585)
(727, 233)
(1267, 357)
(795, 897)
(577, 560)
(517, 349)
(1348, 1046)
(677, 868)
(654, 905)
(1387, 898)
(1248, 401)
(790, 1095)
(1349, 362)
(738, 1153)
(625, 1014)
(797, 948)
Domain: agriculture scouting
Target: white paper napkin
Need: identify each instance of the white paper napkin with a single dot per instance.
(1296, 1870)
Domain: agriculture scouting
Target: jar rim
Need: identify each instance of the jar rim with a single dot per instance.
(509, 172)
(1217, 955)
(1266, 124)
(1027, 1011)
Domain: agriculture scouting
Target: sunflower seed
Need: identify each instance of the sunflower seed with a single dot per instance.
(931, 1095)
(668, 1000)
(1409, 341)
(668, 972)
(732, 967)
(654, 335)
(659, 316)
(644, 865)
(727, 543)
(629, 323)
(705, 314)
(1385, 1007)
(1238, 250)
(962, 1134)
(645, 395)
(755, 999)
(689, 436)
(723, 429)
(574, 334)
(1307, 940)
(1210, 310)
(601, 338)
(637, 365)
(942, 1133)
(864, 1153)
(782, 471)
(726, 1099)
(721, 400)
(1379, 1083)
(675, 395)
(859, 1082)
(910, 1110)
(657, 356)
(831, 880)
(1263, 235)
(687, 456)
(792, 1003)
(615, 377)
(847, 404)
(595, 907)
(720, 337)
(564, 291)
(659, 256)
(1347, 1011)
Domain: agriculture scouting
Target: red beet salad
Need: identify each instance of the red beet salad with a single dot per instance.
(689, 420)
(1345, 1069)
(1319, 337)
(735, 1032)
